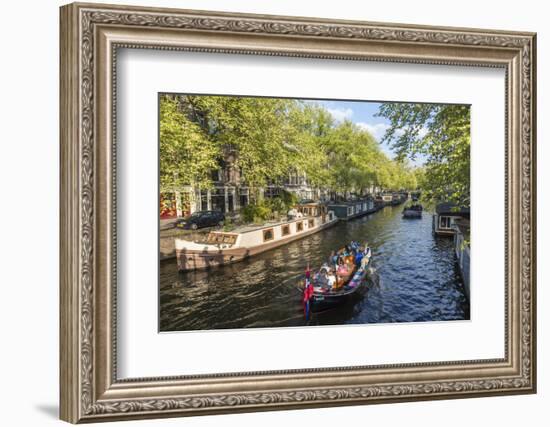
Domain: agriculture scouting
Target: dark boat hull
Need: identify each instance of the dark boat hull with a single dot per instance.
(329, 300)
(411, 213)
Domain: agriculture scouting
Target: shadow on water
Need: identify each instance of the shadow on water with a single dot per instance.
(418, 281)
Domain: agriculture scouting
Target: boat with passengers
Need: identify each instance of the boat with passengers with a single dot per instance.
(338, 281)
(413, 211)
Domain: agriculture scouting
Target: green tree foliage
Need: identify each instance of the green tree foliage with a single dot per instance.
(256, 212)
(255, 128)
(272, 208)
(271, 138)
(187, 155)
(441, 135)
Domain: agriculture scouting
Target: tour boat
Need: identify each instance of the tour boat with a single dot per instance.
(413, 211)
(322, 297)
(221, 247)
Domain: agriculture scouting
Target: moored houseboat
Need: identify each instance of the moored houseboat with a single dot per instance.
(398, 198)
(445, 217)
(222, 247)
(462, 251)
(353, 208)
(387, 198)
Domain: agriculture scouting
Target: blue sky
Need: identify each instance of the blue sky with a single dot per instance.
(362, 113)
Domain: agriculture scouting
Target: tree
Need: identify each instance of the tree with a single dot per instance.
(187, 156)
(255, 128)
(440, 134)
(307, 132)
(265, 139)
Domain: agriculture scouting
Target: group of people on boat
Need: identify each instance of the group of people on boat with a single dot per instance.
(414, 207)
(346, 266)
(341, 265)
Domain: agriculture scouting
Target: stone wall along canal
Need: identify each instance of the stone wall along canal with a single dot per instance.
(418, 281)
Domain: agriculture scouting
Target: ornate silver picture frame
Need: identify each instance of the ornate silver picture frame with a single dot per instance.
(90, 388)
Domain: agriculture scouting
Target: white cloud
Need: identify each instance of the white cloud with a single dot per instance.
(340, 114)
(423, 132)
(377, 130)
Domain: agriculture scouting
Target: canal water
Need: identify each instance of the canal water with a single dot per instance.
(418, 281)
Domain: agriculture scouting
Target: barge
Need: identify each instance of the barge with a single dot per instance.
(445, 217)
(354, 208)
(221, 247)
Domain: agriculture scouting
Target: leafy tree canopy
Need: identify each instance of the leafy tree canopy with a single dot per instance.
(440, 134)
(268, 139)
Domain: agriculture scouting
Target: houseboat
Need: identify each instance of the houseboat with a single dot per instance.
(387, 198)
(445, 217)
(462, 251)
(353, 209)
(398, 198)
(222, 247)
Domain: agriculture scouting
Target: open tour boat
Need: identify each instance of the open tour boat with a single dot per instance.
(350, 265)
(413, 211)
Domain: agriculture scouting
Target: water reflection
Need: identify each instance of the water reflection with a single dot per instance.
(418, 281)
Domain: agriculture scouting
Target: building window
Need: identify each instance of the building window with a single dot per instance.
(299, 226)
(217, 175)
(243, 197)
(268, 234)
(285, 230)
(445, 222)
(311, 223)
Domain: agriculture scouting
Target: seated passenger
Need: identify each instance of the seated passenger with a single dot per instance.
(342, 268)
(333, 258)
(322, 278)
(331, 280)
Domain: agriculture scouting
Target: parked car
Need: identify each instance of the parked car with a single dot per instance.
(201, 219)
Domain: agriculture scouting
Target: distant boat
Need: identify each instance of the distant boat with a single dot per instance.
(391, 199)
(221, 248)
(413, 211)
(348, 287)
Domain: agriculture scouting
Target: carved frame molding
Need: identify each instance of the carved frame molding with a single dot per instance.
(90, 37)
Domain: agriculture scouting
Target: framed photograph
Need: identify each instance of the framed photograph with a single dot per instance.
(267, 212)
